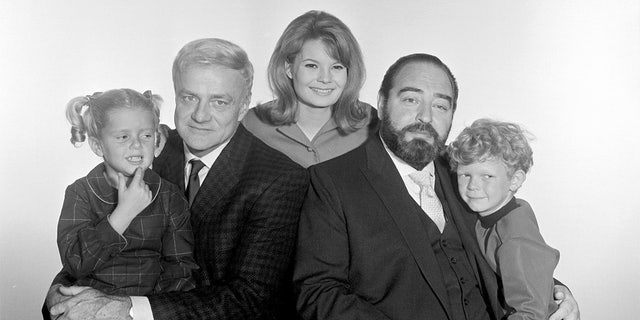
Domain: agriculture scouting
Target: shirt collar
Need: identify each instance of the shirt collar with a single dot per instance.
(209, 158)
(491, 219)
(328, 126)
(293, 131)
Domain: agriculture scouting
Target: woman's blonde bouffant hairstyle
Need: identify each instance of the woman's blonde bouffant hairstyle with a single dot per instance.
(89, 114)
(348, 112)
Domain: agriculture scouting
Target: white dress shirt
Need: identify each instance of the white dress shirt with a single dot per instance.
(207, 159)
(405, 170)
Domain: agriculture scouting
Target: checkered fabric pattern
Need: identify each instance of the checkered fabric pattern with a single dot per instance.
(153, 255)
(245, 219)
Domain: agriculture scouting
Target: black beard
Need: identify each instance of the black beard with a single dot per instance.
(417, 152)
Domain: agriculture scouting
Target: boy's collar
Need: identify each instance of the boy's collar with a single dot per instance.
(490, 220)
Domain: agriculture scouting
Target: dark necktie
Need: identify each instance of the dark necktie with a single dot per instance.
(194, 180)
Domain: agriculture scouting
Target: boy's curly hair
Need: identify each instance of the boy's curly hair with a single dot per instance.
(491, 139)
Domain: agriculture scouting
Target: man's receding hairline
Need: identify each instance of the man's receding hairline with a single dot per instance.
(432, 63)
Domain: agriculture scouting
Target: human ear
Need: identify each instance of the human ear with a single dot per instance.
(161, 140)
(517, 179)
(287, 70)
(244, 108)
(380, 105)
(96, 147)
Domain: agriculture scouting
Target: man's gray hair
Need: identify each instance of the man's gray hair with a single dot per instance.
(214, 52)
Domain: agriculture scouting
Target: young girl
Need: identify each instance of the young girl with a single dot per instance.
(123, 229)
(491, 159)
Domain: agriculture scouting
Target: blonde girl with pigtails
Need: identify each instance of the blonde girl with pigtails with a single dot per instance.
(123, 229)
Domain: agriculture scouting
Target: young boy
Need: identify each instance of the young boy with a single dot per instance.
(491, 159)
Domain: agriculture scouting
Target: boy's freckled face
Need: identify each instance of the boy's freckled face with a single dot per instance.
(127, 141)
(485, 186)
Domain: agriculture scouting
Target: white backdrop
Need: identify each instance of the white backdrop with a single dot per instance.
(566, 70)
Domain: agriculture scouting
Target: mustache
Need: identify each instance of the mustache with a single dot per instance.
(422, 127)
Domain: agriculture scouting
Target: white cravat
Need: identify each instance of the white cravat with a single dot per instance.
(428, 199)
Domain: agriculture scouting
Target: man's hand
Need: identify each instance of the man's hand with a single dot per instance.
(54, 296)
(568, 306)
(132, 200)
(84, 303)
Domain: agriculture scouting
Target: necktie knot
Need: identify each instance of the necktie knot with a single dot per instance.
(421, 178)
(424, 179)
(196, 166)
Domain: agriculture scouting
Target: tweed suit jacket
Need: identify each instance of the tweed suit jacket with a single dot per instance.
(244, 220)
(362, 251)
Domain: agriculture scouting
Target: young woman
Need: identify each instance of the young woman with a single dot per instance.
(316, 73)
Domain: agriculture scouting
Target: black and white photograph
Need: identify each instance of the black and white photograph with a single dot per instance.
(449, 160)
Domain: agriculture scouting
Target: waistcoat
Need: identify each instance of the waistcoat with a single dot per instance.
(463, 290)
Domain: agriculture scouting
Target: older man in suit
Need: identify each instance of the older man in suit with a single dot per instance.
(383, 233)
(245, 201)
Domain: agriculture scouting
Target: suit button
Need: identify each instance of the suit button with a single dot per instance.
(466, 301)
(444, 243)
(463, 280)
(454, 260)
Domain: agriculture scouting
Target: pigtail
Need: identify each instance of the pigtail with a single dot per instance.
(75, 110)
(89, 114)
(156, 102)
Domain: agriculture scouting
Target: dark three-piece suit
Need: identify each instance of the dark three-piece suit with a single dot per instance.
(363, 252)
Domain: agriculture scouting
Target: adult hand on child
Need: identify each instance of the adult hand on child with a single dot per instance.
(54, 297)
(85, 303)
(568, 306)
(132, 200)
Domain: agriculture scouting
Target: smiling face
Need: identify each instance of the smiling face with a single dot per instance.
(318, 79)
(210, 102)
(487, 186)
(417, 114)
(126, 142)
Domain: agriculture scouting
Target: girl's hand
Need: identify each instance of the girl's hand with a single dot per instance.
(132, 200)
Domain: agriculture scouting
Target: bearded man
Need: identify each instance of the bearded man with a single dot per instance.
(383, 233)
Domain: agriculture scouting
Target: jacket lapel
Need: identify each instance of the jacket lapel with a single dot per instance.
(225, 173)
(387, 183)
